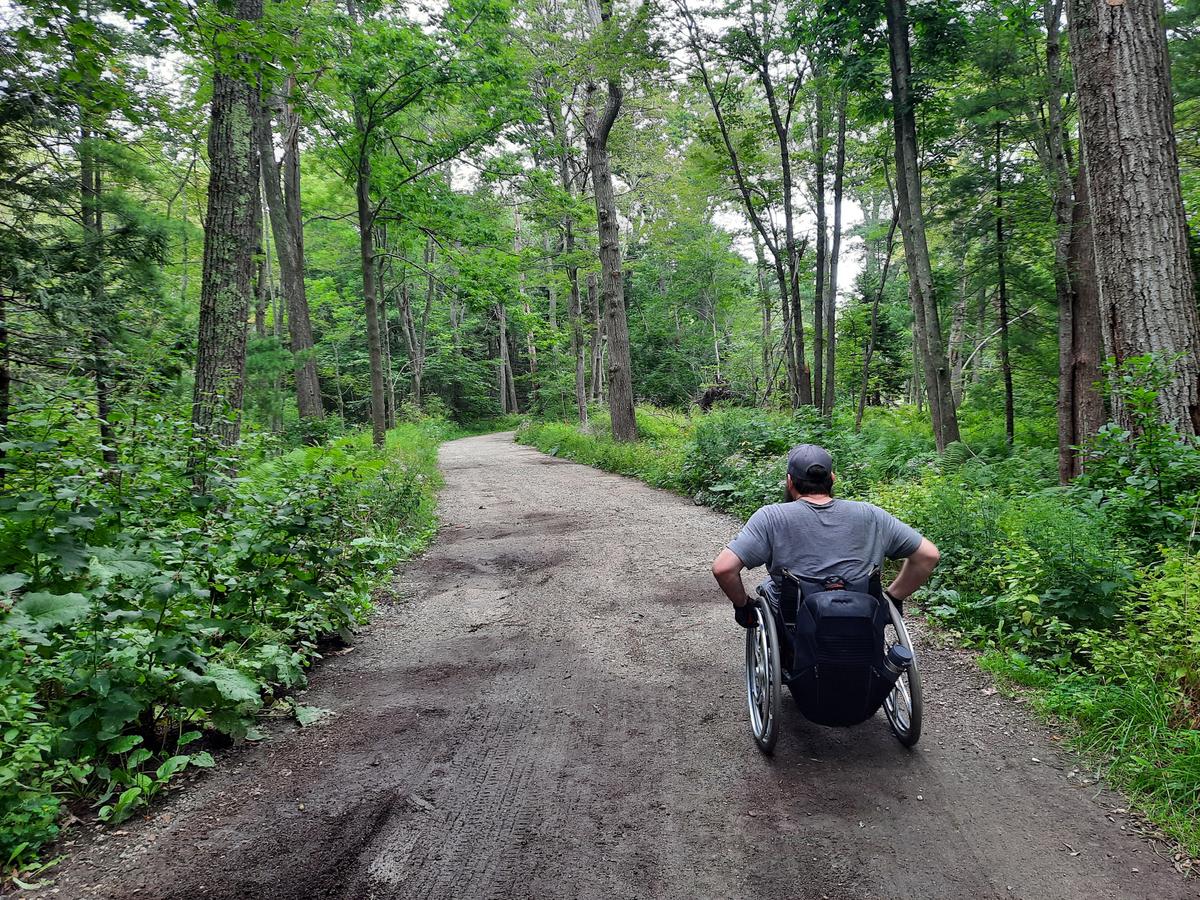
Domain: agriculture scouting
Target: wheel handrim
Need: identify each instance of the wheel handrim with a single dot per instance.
(898, 705)
(758, 682)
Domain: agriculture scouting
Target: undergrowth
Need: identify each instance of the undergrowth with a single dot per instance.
(143, 621)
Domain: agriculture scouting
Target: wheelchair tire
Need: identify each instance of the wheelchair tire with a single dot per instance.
(903, 705)
(764, 678)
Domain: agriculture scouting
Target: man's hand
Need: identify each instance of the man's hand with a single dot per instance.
(745, 615)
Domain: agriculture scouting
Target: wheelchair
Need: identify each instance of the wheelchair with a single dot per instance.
(841, 648)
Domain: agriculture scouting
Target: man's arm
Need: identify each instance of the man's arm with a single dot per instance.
(727, 569)
(915, 572)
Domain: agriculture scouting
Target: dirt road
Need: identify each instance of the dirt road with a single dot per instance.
(553, 709)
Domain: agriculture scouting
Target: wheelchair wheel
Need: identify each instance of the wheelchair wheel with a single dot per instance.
(764, 678)
(903, 705)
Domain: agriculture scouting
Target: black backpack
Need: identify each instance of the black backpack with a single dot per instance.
(835, 631)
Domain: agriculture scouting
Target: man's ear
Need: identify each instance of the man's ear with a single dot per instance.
(833, 477)
(791, 489)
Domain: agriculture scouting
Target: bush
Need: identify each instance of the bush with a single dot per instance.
(141, 613)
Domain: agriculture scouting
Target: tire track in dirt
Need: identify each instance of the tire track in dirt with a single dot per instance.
(557, 712)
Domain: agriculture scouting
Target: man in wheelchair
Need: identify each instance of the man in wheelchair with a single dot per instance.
(819, 536)
(825, 615)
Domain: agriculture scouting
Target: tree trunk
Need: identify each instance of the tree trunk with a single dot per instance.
(229, 241)
(958, 338)
(366, 244)
(839, 172)
(1085, 340)
(870, 350)
(5, 383)
(1139, 230)
(287, 229)
(1059, 175)
(819, 130)
(928, 329)
(612, 286)
(576, 316)
(764, 297)
(1002, 293)
(597, 351)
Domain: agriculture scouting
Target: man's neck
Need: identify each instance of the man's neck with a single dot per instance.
(815, 499)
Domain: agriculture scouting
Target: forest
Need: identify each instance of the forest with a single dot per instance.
(257, 260)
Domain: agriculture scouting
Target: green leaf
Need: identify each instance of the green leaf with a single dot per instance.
(233, 685)
(171, 766)
(125, 743)
(309, 715)
(39, 612)
(10, 581)
(202, 760)
(187, 737)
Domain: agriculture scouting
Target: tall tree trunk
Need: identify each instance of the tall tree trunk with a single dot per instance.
(229, 240)
(287, 229)
(93, 229)
(261, 296)
(958, 338)
(928, 329)
(576, 315)
(612, 286)
(764, 298)
(870, 349)
(839, 173)
(366, 244)
(389, 381)
(1086, 342)
(530, 343)
(819, 140)
(597, 350)
(1059, 175)
(5, 383)
(1139, 230)
(1002, 292)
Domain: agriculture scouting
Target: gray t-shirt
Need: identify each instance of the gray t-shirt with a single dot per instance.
(842, 537)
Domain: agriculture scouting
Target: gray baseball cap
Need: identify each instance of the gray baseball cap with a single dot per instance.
(810, 462)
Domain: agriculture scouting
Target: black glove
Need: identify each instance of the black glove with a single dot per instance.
(745, 615)
(896, 600)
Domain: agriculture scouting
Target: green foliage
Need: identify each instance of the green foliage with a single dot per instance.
(1146, 476)
(142, 614)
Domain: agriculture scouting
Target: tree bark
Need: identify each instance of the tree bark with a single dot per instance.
(229, 241)
(1139, 230)
(597, 350)
(839, 173)
(576, 316)
(612, 286)
(366, 246)
(1002, 293)
(822, 261)
(1085, 340)
(283, 208)
(870, 350)
(927, 330)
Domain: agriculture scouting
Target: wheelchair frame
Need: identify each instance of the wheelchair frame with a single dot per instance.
(764, 682)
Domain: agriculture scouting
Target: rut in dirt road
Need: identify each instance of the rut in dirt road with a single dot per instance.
(554, 708)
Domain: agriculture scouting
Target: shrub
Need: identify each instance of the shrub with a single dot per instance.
(141, 613)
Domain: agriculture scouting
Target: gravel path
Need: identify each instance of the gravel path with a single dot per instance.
(555, 710)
